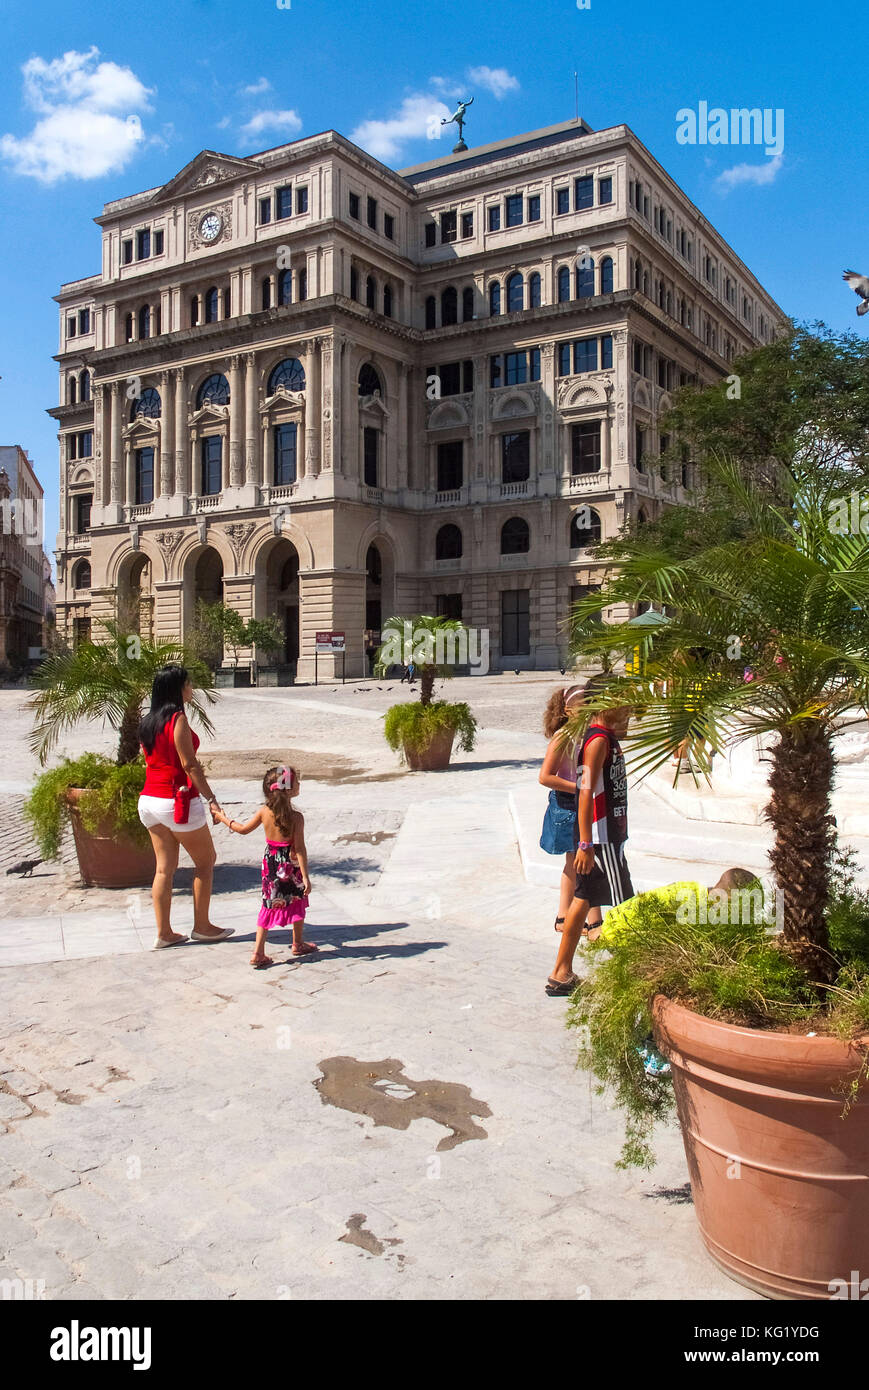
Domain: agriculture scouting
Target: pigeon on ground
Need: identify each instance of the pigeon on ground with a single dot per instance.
(516, 672)
(860, 285)
(25, 868)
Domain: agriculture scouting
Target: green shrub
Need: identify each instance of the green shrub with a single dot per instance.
(414, 725)
(114, 791)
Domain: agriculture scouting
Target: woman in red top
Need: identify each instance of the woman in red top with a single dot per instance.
(169, 746)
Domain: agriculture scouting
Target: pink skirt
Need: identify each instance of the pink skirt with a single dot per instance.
(283, 916)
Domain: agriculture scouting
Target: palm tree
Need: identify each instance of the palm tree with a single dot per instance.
(766, 635)
(426, 638)
(109, 680)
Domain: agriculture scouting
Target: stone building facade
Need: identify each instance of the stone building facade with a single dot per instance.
(323, 389)
(22, 559)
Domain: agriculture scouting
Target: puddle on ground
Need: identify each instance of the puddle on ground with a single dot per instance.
(252, 762)
(356, 1234)
(366, 837)
(382, 1091)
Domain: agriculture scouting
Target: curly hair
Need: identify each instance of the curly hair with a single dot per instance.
(280, 800)
(555, 713)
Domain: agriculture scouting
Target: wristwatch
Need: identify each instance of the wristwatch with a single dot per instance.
(585, 844)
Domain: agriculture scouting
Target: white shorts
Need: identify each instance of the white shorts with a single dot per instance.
(160, 810)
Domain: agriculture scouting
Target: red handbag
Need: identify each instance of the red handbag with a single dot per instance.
(182, 805)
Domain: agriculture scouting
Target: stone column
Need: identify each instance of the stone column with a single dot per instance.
(313, 410)
(182, 445)
(252, 471)
(167, 421)
(329, 409)
(101, 442)
(401, 423)
(547, 463)
(115, 482)
(236, 459)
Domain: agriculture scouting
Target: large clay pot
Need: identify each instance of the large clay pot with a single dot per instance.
(105, 858)
(434, 756)
(779, 1177)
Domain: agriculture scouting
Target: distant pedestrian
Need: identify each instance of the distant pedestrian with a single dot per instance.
(602, 876)
(558, 773)
(409, 673)
(285, 881)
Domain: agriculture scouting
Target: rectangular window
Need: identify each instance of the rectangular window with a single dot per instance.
(467, 225)
(516, 457)
(606, 350)
(265, 211)
(585, 355)
(535, 364)
(212, 459)
(513, 209)
(449, 226)
(562, 201)
(144, 476)
(605, 190)
(585, 447)
(126, 252)
(515, 368)
(284, 471)
(468, 375)
(284, 201)
(86, 444)
(354, 206)
(639, 448)
(370, 450)
(84, 320)
(583, 193)
(431, 234)
(450, 374)
(450, 465)
(516, 622)
(389, 226)
(534, 208)
(564, 356)
(496, 371)
(158, 243)
(81, 631)
(372, 213)
(302, 199)
(494, 218)
(83, 514)
(449, 606)
(143, 244)
(71, 326)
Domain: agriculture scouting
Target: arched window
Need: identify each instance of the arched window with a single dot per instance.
(84, 386)
(534, 291)
(71, 390)
(213, 391)
(515, 293)
(515, 537)
(369, 380)
(585, 278)
(449, 306)
(290, 374)
(267, 292)
(606, 275)
(81, 577)
(563, 285)
(128, 328)
(431, 310)
(212, 305)
(148, 406)
(285, 287)
(144, 322)
(585, 529)
(467, 303)
(371, 292)
(387, 301)
(448, 543)
(494, 298)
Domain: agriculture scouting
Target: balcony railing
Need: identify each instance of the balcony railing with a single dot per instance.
(209, 503)
(513, 561)
(139, 510)
(515, 489)
(452, 497)
(374, 494)
(448, 564)
(587, 482)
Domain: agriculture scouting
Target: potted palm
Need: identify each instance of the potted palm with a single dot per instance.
(424, 731)
(765, 1023)
(96, 794)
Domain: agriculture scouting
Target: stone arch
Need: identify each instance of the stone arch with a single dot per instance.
(588, 393)
(123, 553)
(641, 395)
(277, 593)
(513, 403)
(448, 414)
(373, 535)
(262, 537)
(135, 592)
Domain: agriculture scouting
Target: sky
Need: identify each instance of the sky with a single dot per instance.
(98, 101)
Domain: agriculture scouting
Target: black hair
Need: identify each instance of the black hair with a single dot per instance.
(166, 700)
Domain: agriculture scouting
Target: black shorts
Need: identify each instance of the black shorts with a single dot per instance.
(609, 882)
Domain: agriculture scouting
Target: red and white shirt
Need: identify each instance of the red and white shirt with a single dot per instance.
(610, 792)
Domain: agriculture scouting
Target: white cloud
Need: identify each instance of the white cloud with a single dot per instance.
(498, 81)
(286, 122)
(750, 173)
(257, 88)
(447, 87)
(419, 116)
(89, 118)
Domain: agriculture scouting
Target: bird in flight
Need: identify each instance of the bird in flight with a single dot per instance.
(860, 285)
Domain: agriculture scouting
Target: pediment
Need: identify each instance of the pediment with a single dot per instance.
(447, 413)
(281, 397)
(373, 403)
(142, 425)
(82, 475)
(206, 170)
(641, 395)
(582, 394)
(514, 404)
(209, 413)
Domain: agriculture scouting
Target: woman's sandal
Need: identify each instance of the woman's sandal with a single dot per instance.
(260, 962)
(557, 989)
(304, 950)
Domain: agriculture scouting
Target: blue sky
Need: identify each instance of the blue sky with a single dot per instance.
(100, 100)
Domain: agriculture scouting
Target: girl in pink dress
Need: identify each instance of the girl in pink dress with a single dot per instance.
(286, 884)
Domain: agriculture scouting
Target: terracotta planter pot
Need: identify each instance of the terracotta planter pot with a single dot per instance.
(105, 858)
(435, 756)
(780, 1179)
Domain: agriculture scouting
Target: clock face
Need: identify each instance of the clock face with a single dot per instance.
(211, 226)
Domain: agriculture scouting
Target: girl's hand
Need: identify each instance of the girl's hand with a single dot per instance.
(584, 862)
(306, 884)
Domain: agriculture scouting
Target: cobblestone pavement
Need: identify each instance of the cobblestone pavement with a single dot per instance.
(163, 1133)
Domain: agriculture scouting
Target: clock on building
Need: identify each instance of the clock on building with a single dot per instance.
(211, 226)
